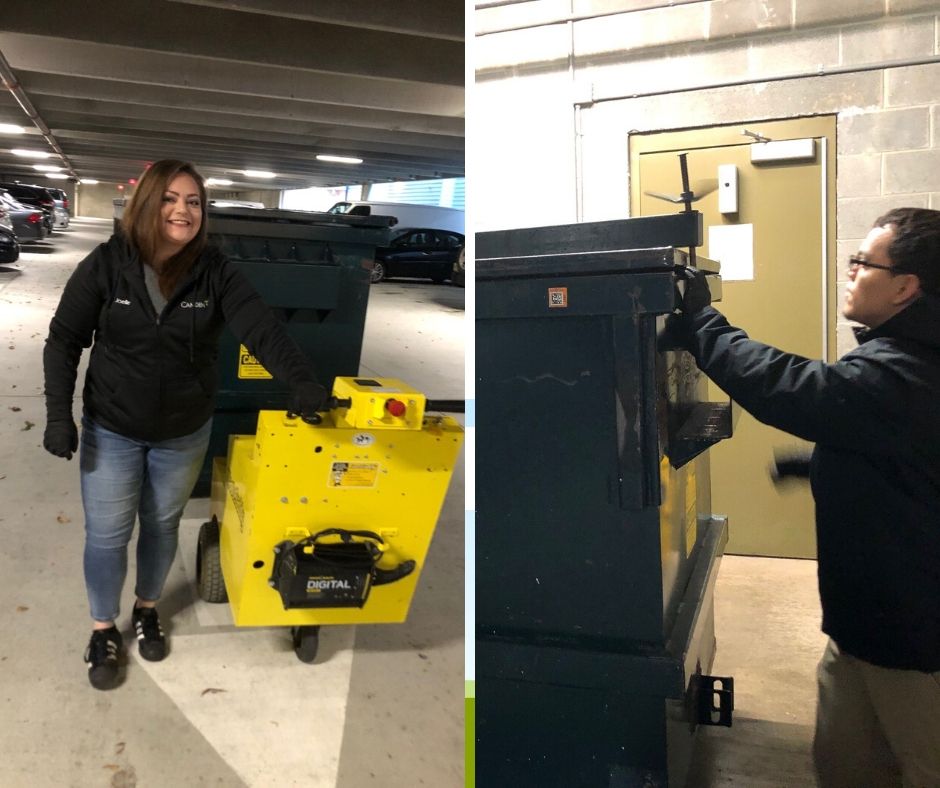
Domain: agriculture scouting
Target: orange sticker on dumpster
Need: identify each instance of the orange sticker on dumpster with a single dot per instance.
(557, 297)
(353, 474)
(249, 368)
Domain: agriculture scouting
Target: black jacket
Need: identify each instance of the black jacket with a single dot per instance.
(875, 471)
(153, 377)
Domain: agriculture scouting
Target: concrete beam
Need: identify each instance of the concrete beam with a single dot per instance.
(235, 36)
(103, 61)
(440, 19)
(38, 84)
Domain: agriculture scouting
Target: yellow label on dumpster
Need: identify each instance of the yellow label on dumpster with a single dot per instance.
(691, 510)
(353, 474)
(249, 368)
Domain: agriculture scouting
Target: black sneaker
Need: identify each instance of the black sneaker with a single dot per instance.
(102, 656)
(150, 639)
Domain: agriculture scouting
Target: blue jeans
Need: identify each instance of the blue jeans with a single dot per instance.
(121, 479)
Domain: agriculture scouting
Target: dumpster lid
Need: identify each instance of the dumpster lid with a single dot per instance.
(615, 261)
(282, 216)
(644, 232)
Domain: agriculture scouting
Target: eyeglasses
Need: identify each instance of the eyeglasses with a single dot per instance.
(855, 262)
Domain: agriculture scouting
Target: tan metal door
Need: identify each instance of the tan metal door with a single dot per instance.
(785, 297)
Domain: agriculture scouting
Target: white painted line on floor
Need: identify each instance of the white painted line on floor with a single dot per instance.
(275, 720)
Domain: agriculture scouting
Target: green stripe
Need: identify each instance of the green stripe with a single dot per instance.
(470, 738)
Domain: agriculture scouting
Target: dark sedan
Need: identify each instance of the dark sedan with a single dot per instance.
(9, 246)
(421, 252)
(28, 222)
(35, 197)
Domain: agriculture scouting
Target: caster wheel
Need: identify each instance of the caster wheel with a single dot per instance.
(209, 580)
(306, 642)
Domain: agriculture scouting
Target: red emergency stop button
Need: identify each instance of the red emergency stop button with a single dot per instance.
(395, 407)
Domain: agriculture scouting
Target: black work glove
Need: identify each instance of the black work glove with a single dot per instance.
(792, 464)
(307, 398)
(696, 296)
(61, 438)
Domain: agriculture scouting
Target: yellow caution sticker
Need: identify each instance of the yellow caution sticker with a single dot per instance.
(249, 368)
(353, 474)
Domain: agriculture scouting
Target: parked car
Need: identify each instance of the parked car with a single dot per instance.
(35, 196)
(406, 214)
(61, 209)
(419, 252)
(458, 273)
(9, 246)
(27, 221)
(6, 221)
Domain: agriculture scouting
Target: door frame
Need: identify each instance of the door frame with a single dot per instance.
(822, 127)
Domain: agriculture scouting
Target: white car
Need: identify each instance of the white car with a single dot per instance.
(61, 209)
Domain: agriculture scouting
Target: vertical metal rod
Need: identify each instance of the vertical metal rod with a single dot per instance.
(686, 196)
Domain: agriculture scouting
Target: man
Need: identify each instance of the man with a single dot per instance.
(875, 475)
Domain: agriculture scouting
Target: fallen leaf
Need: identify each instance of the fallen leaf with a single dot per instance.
(63, 519)
(29, 426)
(119, 748)
(112, 766)
(21, 608)
(423, 656)
(212, 690)
(15, 408)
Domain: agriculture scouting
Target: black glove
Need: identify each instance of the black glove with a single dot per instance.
(793, 464)
(674, 334)
(307, 398)
(61, 438)
(697, 296)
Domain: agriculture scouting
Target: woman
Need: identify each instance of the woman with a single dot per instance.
(151, 303)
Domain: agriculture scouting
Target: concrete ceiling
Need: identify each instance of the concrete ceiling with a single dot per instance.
(252, 84)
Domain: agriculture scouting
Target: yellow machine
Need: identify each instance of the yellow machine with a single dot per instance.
(328, 523)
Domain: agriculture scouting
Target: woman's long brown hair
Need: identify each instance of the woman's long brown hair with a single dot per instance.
(143, 224)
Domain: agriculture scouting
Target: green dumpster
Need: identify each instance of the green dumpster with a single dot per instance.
(313, 269)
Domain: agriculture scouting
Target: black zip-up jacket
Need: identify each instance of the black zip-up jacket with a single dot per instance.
(875, 470)
(153, 377)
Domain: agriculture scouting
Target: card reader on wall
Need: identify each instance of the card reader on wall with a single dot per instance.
(727, 188)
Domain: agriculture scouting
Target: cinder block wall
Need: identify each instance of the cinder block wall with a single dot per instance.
(562, 84)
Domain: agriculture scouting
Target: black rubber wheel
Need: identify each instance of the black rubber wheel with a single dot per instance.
(378, 271)
(209, 578)
(306, 642)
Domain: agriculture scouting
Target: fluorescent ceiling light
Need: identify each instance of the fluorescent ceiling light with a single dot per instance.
(218, 182)
(259, 174)
(340, 159)
(88, 181)
(31, 154)
(46, 168)
(59, 175)
(9, 128)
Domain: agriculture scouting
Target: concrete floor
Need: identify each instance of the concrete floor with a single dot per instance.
(767, 618)
(382, 706)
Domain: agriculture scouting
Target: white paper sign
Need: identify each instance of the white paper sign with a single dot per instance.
(733, 246)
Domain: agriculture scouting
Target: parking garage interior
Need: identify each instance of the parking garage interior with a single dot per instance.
(101, 91)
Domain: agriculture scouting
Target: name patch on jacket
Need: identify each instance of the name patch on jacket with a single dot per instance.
(194, 304)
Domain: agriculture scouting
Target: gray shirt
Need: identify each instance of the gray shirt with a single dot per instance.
(153, 288)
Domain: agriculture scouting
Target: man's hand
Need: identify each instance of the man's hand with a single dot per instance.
(61, 438)
(697, 296)
(307, 398)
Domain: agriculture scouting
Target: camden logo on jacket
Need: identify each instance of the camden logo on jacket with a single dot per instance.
(194, 304)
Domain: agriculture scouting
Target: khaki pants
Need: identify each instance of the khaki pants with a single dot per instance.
(876, 727)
